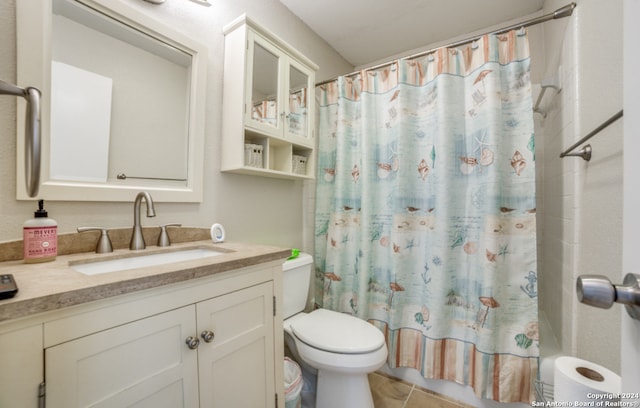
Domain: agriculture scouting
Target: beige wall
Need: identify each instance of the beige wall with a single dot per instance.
(581, 211)
(252, 209)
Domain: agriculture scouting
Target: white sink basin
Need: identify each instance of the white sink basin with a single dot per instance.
(143, 260)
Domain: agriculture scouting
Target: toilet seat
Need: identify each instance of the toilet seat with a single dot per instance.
(337, 332)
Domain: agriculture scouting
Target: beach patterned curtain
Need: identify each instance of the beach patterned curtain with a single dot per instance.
(425, 212)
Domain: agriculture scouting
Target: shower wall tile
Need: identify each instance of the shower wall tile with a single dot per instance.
(598, 48)
(569, 323)
(561, 206)
(557, 184)
(557, 232)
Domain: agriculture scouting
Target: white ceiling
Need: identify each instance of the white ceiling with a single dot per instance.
(368, 31)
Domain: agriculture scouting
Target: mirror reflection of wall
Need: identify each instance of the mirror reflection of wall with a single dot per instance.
(144, 114)
(80, 124)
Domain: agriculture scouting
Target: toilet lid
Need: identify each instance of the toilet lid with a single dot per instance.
(337, 332)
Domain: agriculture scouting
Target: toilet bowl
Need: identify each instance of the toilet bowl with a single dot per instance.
(336, 348)
(343, 350)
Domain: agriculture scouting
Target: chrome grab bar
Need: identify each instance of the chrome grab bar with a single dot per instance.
(32, 133)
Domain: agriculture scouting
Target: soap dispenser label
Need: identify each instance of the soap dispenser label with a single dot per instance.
(40, 242)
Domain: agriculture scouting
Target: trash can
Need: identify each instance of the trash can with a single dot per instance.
(293, 383)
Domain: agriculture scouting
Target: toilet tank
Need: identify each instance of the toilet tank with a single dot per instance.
(296, 275)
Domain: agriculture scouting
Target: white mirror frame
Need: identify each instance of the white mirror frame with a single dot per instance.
(34, 38)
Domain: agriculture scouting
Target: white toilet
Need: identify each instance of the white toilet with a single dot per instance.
(342, 349)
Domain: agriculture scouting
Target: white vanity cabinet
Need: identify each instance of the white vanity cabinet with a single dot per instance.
(208, 342)
(268, 105)
(208, 354)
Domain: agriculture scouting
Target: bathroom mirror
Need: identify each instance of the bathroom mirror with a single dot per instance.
(122, 102)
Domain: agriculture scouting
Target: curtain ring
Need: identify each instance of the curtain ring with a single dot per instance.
(430, 58)
(474, 45)
(522, 32)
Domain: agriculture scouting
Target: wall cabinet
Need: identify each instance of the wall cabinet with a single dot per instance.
(268, 105)
(211, 342)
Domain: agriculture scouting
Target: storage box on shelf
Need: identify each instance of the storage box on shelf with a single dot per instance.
(268, 113)
(299, 164)
(253, 155)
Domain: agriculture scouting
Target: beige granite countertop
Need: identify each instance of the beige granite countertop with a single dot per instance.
(54, 285)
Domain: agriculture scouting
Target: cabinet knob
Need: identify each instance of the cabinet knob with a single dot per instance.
(192, 342)
(207, 336)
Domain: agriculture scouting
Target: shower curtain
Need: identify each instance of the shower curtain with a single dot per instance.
(425, 212)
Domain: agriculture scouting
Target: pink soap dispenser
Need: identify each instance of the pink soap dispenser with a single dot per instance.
(40, 236)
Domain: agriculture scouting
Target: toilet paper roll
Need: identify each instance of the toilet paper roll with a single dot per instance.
(577, 380)
(217, 233)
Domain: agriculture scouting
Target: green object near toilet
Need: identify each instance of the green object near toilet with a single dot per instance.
(294, 254)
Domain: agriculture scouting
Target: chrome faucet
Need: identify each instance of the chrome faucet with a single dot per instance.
(137, 239)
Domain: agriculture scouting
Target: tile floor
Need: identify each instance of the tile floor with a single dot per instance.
(389, 392)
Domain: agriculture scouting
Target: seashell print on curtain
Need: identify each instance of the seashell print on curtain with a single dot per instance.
(425, 212)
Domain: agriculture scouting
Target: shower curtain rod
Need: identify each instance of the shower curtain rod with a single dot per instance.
(562, 12)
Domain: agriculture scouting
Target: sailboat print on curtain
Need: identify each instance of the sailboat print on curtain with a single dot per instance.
(425, 213)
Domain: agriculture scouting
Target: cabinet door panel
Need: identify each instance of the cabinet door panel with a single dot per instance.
(144, 363)
(21, 368)
(237, 367)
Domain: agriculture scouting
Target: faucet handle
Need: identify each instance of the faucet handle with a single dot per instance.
(163, 239)
(104, 243)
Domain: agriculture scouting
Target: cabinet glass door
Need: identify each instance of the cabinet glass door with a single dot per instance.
(297, 117)
(264, 92)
